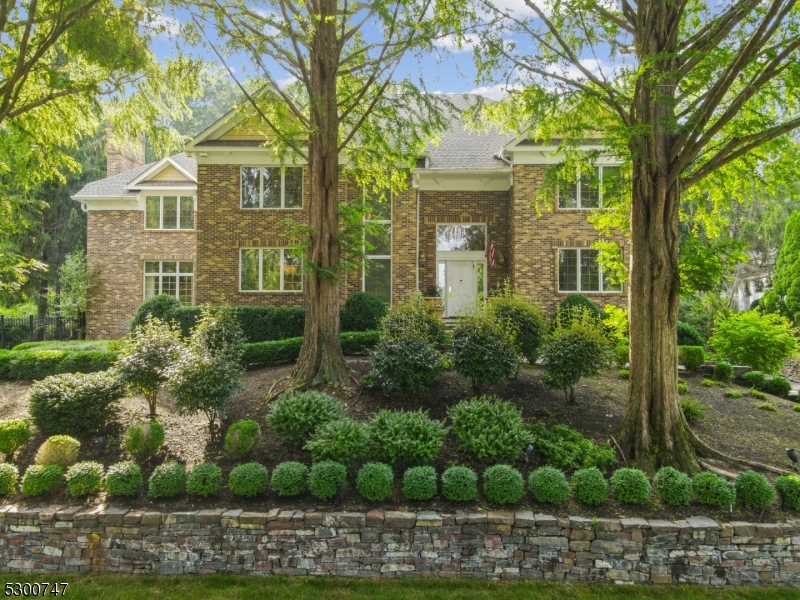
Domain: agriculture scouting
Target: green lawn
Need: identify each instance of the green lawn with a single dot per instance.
(110, 587)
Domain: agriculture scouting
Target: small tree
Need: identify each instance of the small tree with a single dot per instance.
(77, 277)
(576, 347)
(484, 351)
(145, 362)
(522, 317)
(787, 268)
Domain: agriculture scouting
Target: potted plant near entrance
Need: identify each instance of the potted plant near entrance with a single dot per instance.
(433, 298)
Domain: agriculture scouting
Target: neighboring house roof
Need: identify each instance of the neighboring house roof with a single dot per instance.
(117, 185)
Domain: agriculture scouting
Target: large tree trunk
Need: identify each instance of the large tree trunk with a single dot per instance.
(321, 359)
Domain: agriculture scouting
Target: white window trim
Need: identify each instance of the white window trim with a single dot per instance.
(599, 192)
(261, 249)
(161, 273)
(261, 188)
(381, 256)
(579, 290)
(161, 212)
(467, 254)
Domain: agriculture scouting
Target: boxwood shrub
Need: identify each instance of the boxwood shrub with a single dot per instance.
(344, 441)
(294, 416)
(167, 480)
(282, 351)
(38, 364)
(84, 478)
(326, 478)
(40, 479)
(753, 490)
(9, 478)
(419, 483)
(503, 484)
(375, 481)
(289, 478)
(460, 484)
(630, 486)
(204, 480)
(778, 386)
(755, 379)
(124, 479)
(548, 485)
(143, 439)
(59, 450)
(490, 428)
(14, 433)
(589, 486)
(788, 486)
(673, 487)
(249, 479)
(723, 371)
(691, 357)
(405, 437)
(242, 438)
(362, 311)
(711, 489)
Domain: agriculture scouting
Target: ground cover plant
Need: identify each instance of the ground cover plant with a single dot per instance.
(564, 448)
(490, 428)
(405, 437)
(296, 415)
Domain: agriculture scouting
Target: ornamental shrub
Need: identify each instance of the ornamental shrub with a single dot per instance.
(460, 484)
(723, 371)
(503, 484)
(160, 307)
(249, 479)
(755, 379)
(548, 485)
(242, 438)
(9, 477)
(682, 388)
(344, 441)
(124, 479)
(84, 478)
(788, 486)
(616, 323)
(75, 404)
(589, 486)
(61, 450)
(406, 364)
(622, 354)
(630, 486)
(167, 480)
(362, 311)
(419, 483)
(759, 341)
(289, 478)
(375, 481)
(521, 317)
(405, 437)
(753, 490)
(691, 357)
(14, 433)
(143, 439)
(673, 487)
(711, 489)
(566, 310)
(778, 386)
(693, 410)
(786, 277)
(204, 480)
(484, 351)
(689, 336)
(326, 479)
(564, 448)
(576, 347)
(490, 428)
(40, 479)
(294, 416)
(412, 318)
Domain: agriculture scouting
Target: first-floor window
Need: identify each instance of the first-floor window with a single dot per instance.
(378, 277)
(269, 270)
(172, 277)
(579, 271)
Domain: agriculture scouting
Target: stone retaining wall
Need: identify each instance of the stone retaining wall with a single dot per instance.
(494, 545)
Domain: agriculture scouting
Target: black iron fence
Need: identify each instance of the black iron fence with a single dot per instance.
(17, 330)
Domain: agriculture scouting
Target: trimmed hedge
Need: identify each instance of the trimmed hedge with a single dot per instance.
(503, 484)
(420, 483)
(375, 481)
(123, 479)
(274, 352)
(38, 364)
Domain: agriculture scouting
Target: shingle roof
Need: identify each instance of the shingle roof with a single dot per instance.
(114, 187)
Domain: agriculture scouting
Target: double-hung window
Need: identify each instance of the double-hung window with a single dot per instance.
(378, 246)
(269, 270)
(272, 187)
(589, 189)
(579, 271)
(169, 212)
(172, 277)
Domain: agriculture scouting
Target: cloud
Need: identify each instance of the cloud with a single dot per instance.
(451, 43)
(166, 26)
(286, 81)
(495, 92)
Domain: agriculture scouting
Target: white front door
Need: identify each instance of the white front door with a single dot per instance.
(461, 287)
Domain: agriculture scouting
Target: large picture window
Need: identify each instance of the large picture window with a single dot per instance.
(169, 212)
(589, 189)
(378, 246)
(269, 270)
(579, 271)
(272, 187)
(451, 238)
(172, 277)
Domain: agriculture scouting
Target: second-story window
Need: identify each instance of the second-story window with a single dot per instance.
(589, 189)
(169, 212)
(272, 187)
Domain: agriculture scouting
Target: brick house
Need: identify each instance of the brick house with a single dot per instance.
(205, 225)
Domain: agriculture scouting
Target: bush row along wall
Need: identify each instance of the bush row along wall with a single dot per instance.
(494, 545)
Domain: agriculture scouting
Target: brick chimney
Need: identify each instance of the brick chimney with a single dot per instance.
(123, 155)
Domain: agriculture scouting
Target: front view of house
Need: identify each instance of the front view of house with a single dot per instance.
(206, 226)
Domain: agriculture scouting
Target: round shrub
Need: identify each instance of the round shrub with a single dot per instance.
(723, 371)
(289, 478)
(143, 439)
(326, 478)
(460, 484)
(589, 486)
(483, 351)
(344, 441)
(204, 480)
(712, 490)
(249, 479)
(84, 478)
(548, 485)
(40, 479)
(673, 487)
(124, 479)
(691, 357)
(160, 307)
(362, 311)
(374, 481)
(503, 484)
(521, 316)
(566, 307)
(14, 433)
(630, 486)
(61, 450)
(167, 480)
(788, 486)
(412, 318)
(242, 438)
(755, 379)
(490, 428)
(406, 437)
(419, 483)
(77, 404)
(778, 386)
(753, 490)
(9, 477)
(406, 364)
(296, 415)
(689, 336)
(759, 341)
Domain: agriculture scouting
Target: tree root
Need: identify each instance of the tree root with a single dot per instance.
(299, 386)
(716, 470)
(621, 453)
(703, 450)
(272, 387)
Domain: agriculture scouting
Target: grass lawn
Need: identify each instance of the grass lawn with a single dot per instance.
(112, 587)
